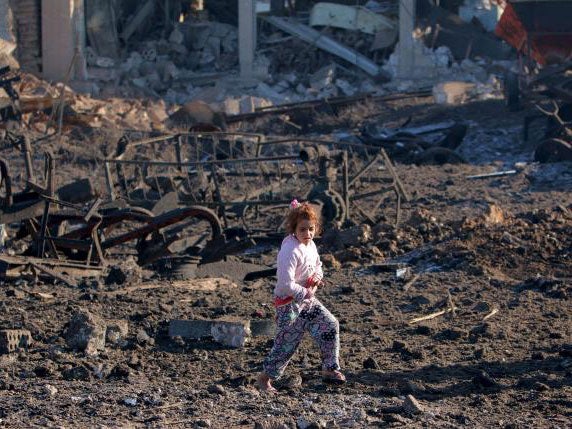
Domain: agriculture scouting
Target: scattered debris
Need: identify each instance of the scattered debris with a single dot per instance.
(494, 174)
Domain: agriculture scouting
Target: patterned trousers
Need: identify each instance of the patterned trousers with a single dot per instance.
(292, 321)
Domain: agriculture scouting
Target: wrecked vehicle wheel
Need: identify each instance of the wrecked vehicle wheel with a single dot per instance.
(553, 150)
(439, 156)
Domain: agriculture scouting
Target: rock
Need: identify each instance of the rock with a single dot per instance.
(144, 338)
(330, 261)
(494, 215)
(45, 370)
(130, 401)
(323, 77)
(86, 332)
(541, 387)
(345, 87)
(50, 390)
(216, 389)
(116, 331)
(101, 371)
(116, 276)
(79, 372)
(412, 406)
(203, 423)
(370, 363)
(482, 379)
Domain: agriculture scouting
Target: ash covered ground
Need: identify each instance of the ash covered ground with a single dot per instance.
(492, 255)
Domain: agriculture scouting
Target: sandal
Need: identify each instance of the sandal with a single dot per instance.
(333, 377)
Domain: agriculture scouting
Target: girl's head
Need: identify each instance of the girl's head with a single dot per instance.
(302, 221)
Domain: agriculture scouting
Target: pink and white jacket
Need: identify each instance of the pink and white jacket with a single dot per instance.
(297, 263)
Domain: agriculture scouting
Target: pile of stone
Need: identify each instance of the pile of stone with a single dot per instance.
(168, 66)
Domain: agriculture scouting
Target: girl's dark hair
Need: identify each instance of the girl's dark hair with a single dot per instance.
(303, 211)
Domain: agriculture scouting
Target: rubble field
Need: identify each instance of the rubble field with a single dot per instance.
(460, 317)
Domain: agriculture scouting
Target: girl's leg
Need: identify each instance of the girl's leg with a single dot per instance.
(289, 333)
(325, 331)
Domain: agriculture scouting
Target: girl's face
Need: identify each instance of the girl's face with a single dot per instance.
(305, 231)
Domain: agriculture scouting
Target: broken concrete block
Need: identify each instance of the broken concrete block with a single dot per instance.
(345, 87)
(301, 89)
(494, 215)
(230, 332)
(169, 71)
(176, 36)
(453, 92)
(149, 53)
(323, 77)
(412, 406)
(139, 82)
(116, 331)
(281, 86)
(14, 339)
(144, 338)
(269, 93)
(85, 331)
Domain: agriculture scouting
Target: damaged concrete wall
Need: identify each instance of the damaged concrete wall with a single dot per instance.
(7, 38)
(27, 29)
(63, 35)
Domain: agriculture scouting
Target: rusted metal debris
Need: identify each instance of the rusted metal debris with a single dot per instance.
(210, 169)
(205, 195)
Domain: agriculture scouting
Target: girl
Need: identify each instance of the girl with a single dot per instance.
(297, 309)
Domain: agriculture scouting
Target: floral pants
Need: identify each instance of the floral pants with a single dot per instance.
(292, 321)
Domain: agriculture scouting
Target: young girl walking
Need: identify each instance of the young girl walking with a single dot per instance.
(299, 275)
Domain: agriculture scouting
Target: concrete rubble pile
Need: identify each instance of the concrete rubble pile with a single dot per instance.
(167, 67)
(156, 72)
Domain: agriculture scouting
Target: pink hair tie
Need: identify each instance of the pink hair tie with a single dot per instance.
(294, 204)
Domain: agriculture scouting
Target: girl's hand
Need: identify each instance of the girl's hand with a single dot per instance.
(311, 292)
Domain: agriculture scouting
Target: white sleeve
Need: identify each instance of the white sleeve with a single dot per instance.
(286, 273)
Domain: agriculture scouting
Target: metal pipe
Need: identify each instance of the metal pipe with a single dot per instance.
(202, 163)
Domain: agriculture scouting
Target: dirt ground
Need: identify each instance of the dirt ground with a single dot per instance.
(493, 254)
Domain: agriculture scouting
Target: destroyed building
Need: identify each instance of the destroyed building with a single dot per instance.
(150, 149)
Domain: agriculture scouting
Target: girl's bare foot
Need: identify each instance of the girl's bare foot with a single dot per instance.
(263, 383)
(333, 377)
